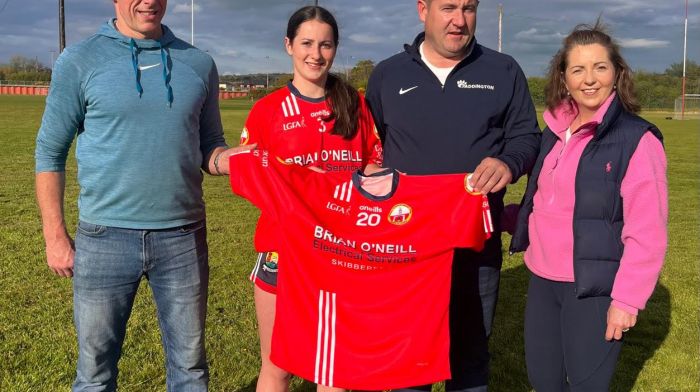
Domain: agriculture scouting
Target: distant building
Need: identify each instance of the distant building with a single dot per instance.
(227, 86)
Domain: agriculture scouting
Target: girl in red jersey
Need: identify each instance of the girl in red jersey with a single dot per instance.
(318, 121)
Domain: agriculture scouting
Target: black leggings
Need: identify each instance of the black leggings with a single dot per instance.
(565, 346)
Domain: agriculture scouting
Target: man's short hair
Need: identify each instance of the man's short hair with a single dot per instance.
(427, 2)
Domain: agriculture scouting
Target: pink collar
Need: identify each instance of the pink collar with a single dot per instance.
(563, 115)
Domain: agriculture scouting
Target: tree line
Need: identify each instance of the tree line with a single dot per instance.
(654, 90)
(25, 70)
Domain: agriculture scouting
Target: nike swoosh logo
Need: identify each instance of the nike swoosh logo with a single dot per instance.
(145, 67)
(402, 91)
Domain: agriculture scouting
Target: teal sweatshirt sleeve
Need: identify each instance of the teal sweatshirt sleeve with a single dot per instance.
(63, 115)
(210, 128)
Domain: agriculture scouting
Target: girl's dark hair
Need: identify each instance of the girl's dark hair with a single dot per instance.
(583, 34)
(343, 98)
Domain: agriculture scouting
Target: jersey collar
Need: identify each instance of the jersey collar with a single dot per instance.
(296, 92)
(359, 175)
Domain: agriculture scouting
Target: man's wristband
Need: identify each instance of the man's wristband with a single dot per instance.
(216, 162)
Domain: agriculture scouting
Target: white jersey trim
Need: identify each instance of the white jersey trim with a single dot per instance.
(325, 339)
(254, 274)
(290, 107)
(296, 105)
(486, 214)
(343, 192)
(333, 319)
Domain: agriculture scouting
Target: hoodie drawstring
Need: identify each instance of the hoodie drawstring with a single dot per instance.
(135, 62)
(166, 70)
(166, 75)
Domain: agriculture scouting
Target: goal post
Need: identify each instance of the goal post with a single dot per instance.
(692, 107)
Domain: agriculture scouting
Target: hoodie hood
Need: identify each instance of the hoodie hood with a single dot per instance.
(135, 46)
(108, 29)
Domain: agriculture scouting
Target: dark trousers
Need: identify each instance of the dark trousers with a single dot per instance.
(565, 346)
(473, 297)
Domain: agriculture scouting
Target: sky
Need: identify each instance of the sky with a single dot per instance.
(246, 36)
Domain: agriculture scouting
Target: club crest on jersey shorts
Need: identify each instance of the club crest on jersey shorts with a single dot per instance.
(264, 274)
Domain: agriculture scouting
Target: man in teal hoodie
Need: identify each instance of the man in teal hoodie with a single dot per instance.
(144, 107)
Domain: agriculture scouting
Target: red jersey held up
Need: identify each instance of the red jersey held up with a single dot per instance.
(364, 297)
(292, 127)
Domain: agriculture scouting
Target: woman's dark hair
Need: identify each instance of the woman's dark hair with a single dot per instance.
(343, 98)
(583, 34)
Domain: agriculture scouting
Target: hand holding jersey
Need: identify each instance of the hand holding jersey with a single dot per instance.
(354, 260)
(491, 176)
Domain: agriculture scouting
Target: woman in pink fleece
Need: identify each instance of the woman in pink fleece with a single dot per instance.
(593, 218)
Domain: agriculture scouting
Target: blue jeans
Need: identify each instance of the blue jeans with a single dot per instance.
(109, 265)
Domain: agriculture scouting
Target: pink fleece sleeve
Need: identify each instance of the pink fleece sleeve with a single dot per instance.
(645, 208)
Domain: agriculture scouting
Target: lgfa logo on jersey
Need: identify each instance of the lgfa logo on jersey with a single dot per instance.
(400, 214)
(245, 136)
(344, 210)
(342, 195)
(288, 126)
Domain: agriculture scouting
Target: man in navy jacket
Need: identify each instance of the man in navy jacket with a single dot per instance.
(449, 105)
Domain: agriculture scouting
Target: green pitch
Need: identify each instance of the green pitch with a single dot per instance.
(37, 338)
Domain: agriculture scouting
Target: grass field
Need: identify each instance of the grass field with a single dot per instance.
(37, 338)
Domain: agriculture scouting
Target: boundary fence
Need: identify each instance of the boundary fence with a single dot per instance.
(41, 88)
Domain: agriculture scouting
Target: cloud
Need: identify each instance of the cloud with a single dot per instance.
(228, 52)
(635, 43)
(365, 38)
(667, 21)
(186, 8)
(246, 35)
(533, 35)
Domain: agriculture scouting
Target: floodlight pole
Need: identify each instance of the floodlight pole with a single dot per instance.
(685, 55)
(316, 3)
(61, 27)
(192, 25)
(500, 27)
